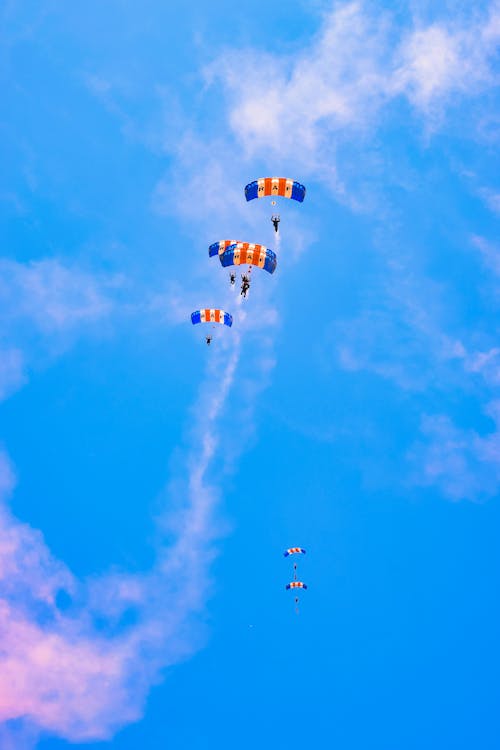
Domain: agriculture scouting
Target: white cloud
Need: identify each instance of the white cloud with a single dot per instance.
(286, 105)
(402, 336)
(443, 60)
(462, 463)
(297, 107)
(491, 198)
(44, 306)
(52, 296)
(490, 253)
(404, 340)
(486, 364)
(12, 374)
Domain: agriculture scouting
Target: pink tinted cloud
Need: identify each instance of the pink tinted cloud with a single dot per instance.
(75, 671)
(77, 658)
(64, 680)
(79, 670)
(54, 669)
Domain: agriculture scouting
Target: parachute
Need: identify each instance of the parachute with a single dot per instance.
(242, 253)
(211, 315)
(217, 248)
(275, 187)
(296, 585)
(294, 551)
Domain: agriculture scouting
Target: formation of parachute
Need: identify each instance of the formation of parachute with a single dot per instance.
(235, 253)
(295, 583)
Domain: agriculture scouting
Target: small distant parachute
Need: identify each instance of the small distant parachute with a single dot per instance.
(212, 315)
(217, 248)
(275, 187)
(294, 551)
(296, 585)
(246, 253)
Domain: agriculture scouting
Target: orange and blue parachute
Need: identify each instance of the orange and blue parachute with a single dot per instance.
(294, 551)
(275, 187)
(246, 253)
(211, 315)
(217, 248)
(296, 585)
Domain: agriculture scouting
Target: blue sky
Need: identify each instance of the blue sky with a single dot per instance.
(148, 485)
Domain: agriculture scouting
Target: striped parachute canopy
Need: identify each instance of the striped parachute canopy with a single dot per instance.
(245, 253)
(276, 187)
(211, 315)
(294, 551)
(296, 585)
(217, 248)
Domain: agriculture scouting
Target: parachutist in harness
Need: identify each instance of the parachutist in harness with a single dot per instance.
(232, 278)
(208, 340)
(245, 285)
(276, 220)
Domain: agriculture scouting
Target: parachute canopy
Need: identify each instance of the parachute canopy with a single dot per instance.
(294, 551)
(211, 315)
(217, 248)
(296, 585)
(275, 186)
(243, 253)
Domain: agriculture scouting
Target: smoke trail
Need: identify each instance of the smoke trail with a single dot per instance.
(277, 242)
(82, 673)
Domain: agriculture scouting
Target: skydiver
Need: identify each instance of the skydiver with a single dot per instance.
(245, 285)
(232, 278)
(208, 340)
(276, 220)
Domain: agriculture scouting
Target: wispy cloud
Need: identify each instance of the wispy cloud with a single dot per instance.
(402, 336)
(44, 306)
(52, 296)
(301, 107)
(411, 340)
(448, 59)
(293, 110)
(490, 253)
(491, 198)
(79, 657)
(12, 374)
(464, 464)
